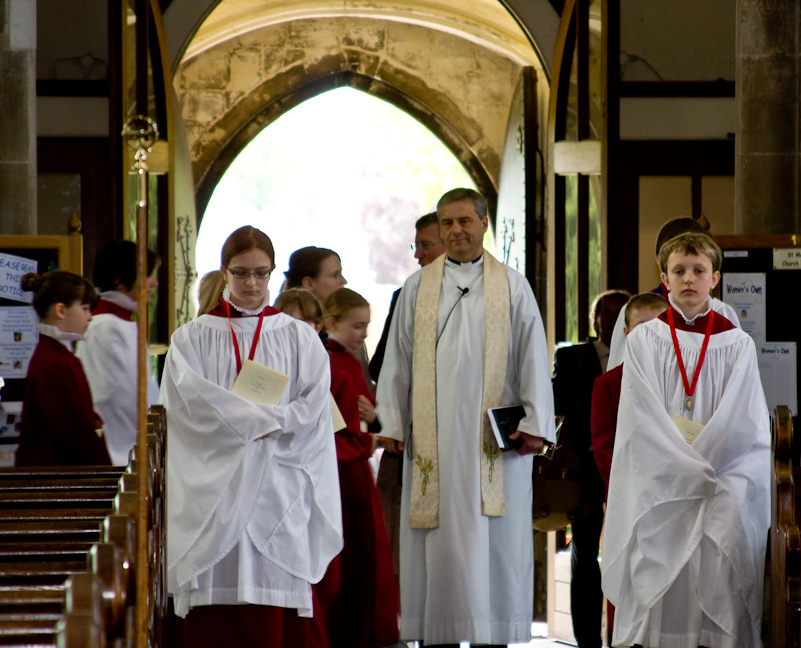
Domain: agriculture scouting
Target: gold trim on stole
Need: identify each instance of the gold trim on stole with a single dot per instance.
(424, 510)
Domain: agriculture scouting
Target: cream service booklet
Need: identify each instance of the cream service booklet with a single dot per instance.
(259, 384)
(263, 386)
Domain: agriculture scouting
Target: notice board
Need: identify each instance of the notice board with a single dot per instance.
(760, 279)
(18, 335)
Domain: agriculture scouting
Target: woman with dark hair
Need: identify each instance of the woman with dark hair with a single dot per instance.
(59, 423)
(318, 270)
(109, 353)
(253, 511)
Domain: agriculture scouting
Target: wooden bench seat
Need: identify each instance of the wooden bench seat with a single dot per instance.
(37, 530)
(785, 536)
(60, 526)
(39, 616)
(56, 499)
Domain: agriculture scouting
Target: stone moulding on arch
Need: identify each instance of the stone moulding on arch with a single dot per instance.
(213, 162)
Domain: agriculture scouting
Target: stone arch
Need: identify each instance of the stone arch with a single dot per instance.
(343, 78)
(460, 90)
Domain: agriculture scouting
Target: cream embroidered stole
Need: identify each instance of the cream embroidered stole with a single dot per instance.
(424, 512)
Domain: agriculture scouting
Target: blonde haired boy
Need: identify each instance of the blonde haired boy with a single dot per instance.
(689, 497)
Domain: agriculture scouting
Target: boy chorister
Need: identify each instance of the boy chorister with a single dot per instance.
(689, 490)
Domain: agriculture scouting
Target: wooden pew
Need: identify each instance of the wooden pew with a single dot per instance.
(785, 536)
(61, 525)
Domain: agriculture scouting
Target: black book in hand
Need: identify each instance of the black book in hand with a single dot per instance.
(504, 422)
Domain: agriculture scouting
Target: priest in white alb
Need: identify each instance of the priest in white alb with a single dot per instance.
(466, 336)
(689, 492)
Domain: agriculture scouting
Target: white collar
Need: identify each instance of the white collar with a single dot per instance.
(691, 321)
(227, 297)
(456, 263)
(67, 339)
(118, 298)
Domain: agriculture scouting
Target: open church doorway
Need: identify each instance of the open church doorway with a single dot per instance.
(343, 170)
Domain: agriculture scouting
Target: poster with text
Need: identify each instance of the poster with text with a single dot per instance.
(18, 338)
(745, 293)
(12, 268)
(777, 368)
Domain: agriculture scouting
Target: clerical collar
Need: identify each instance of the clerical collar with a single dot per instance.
(692, 320)
(67, 339)
(117, 298)
(265, 302)
(476, 260)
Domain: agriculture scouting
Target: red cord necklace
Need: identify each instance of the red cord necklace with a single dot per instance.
(236, 343)
(689, 389)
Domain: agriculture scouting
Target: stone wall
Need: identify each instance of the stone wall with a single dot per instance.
(18, 108)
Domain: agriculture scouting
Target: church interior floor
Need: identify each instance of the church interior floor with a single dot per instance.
(539, 639)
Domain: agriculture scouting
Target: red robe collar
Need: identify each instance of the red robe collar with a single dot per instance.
(106, 307)
(720, 324)
(661, 290)
(219, 311)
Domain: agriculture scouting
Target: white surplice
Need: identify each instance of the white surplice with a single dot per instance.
(471, 578)
(686, 525)
(109, 356)
(253, 504)
(618, 345)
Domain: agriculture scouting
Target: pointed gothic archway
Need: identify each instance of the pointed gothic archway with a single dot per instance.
(344, 78)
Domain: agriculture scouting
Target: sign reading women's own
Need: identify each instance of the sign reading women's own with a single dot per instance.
(12, 268)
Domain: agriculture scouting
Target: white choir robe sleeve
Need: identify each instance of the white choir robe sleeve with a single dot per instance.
(617, 346)
(109, 358)
(672, 504)
(235, 467)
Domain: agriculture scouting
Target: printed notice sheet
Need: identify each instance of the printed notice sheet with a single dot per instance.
(777, 368)
(745, 293)
(12, 268)
(259, 384)
(18, 339)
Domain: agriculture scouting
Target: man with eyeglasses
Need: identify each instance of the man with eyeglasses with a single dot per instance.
(427, 246)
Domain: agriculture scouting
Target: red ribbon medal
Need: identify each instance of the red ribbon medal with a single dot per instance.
(689, 389)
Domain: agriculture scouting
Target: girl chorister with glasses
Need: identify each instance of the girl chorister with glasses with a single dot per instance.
(254, 514)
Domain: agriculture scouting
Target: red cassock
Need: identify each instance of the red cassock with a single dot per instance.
(603, 420)
(358, 598)
(58, 419)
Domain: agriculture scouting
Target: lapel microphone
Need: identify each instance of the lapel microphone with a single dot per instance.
(464, 291)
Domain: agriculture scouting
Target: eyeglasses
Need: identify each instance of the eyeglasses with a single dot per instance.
(425, 245)
(244, 275)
